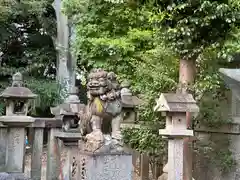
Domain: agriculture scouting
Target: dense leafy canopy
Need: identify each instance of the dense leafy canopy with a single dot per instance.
(194, 25)
(143, 42)
(26, 45)
(121, 38)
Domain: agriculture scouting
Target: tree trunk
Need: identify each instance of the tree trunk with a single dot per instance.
(187, 72)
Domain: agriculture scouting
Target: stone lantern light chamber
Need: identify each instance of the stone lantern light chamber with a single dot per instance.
(17, 99)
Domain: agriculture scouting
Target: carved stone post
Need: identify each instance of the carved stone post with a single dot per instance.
(70, 134)
(16, 119)
(70, 150)
(174, 107)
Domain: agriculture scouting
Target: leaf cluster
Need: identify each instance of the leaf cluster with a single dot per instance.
(26, 45)
(121, 38)
(142, 41)
(191, 26)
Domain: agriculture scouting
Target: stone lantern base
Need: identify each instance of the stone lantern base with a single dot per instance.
(16, 121)
(15, 154)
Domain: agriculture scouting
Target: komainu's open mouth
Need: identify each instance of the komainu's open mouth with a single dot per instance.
(95, 87)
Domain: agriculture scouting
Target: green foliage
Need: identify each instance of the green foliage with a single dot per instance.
(48, 95)
(210, 90)
(235, 4)
(191, 26)
(132, 137)
(214, 99)
(143, 40)
(121, 38)
(26, 45)
(231, 46)
(2, 108)
(209, 152)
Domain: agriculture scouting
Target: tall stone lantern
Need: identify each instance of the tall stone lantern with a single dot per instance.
(70, 134)
(17, 107)
(174, 108)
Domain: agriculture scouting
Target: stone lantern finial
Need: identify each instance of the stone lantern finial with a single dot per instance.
(17, 80)
(68, 111)
(73, 98)
(128, 99)
(129, 103)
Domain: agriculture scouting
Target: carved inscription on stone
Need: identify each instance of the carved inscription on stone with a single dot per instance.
(175, 159)
(106, 167)
(15, 154)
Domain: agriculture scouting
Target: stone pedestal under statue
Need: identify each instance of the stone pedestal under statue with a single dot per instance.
(105, 166)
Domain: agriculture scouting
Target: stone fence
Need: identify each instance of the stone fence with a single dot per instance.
(52, 126)
(142, 167)
(141, 162)
(57, 166)
(226, 137)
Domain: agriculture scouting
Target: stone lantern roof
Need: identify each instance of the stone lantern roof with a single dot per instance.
(128, 99)
(171, 102)
(17, 91)
(66, 107)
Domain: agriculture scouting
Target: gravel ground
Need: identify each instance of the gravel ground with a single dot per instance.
(44, 165)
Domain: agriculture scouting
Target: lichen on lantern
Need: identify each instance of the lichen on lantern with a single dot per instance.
(17, 97)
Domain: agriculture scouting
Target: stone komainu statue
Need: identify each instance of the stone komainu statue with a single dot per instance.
(104, 105)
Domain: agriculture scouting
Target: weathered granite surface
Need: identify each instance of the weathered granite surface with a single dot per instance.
(106, 167)
(7, 176)
(63, 156)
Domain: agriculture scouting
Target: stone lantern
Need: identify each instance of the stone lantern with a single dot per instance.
(17, 97)
(174, 108)
(17, 100)
(70, 134)
(68, 111)
(129, 103)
